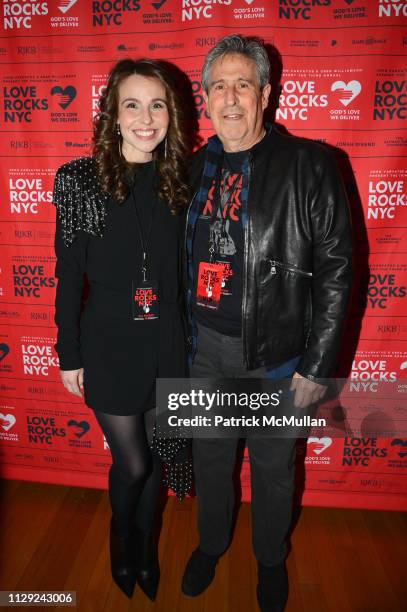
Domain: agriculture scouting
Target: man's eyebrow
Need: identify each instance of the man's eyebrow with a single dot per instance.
(246, 79)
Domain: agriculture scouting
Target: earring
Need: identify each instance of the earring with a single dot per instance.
(118, 132)
(165, 148)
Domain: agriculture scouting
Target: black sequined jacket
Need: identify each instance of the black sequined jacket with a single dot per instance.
(81, 203)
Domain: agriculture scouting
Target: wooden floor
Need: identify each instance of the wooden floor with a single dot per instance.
(55, 538)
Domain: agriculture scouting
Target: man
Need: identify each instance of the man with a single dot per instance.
(268, 258)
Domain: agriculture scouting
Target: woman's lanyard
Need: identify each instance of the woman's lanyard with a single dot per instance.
(144, 238)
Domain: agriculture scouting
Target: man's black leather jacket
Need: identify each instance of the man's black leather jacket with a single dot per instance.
(297, 257)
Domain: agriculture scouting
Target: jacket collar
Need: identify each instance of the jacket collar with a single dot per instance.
(215, 145)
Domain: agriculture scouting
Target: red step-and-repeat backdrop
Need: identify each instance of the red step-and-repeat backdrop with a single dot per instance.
(344, 83)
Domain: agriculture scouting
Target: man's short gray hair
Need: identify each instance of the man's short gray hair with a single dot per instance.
(250, 47)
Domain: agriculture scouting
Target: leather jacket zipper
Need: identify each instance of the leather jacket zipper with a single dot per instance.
(246, 263)
(189, 290)
(278, 264)
(186, 223)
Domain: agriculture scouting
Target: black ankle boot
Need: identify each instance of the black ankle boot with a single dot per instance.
(123, 561)
(199, 573)
(272, 587)
(148, 569)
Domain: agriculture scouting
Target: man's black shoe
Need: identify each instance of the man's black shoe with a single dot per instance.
(272, 588)
(199, 573)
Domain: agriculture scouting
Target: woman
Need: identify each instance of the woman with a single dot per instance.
(119, 224)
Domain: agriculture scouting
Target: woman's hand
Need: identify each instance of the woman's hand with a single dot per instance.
(73, 381)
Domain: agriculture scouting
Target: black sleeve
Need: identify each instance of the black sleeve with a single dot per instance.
(69, 270)
(332, 272)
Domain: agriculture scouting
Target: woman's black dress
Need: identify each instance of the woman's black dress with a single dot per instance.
(121, 356)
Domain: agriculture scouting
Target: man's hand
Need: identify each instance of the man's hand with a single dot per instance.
(306, 391)
(73, 381)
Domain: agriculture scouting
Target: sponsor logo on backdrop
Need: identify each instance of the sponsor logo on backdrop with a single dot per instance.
(30, 278)
(390, 99)
(372, 370)
(193, 10)
(43, 429)
(297, 97)
(45, 391)
(369, 368)
(254, 9)
(197, 93)
(385, 198)
(65, 5)
(395, 141)
(19, 144)
(346, 92)
(18, 14)
(79, 429)
(397, 458)
(400, 446)
(27, 192)
(126, 48)
(384, 288)
(300, 96)
(369, 41)
(392, 8)
(64, 20)
(305, 42)
(110, 12)
(38, 356)
(360, 451)
(41, 316)
(343, 94)
(9, 315)
(352, 142)
(98, 87)
(318, 447)
(30, 145)
(5, 365)
(203, 42)
(349, 12)
(299, 9)
(388, 329)
(4, 351)
(7, 422)
(70, 144)
(20, 101)
(172, 45)
(23, 234)
(64, 97)
(155, 17)
(27, 50)
(90, 49)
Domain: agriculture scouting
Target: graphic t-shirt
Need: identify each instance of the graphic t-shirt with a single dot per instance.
(220, 224)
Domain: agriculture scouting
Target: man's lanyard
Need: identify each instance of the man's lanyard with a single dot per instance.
(144, 239)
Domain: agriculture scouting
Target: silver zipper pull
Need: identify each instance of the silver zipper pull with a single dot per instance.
(273, 267)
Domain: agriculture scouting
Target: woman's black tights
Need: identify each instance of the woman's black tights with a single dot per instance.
(134, 477)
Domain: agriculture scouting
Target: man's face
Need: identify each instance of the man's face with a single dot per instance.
(235, 101)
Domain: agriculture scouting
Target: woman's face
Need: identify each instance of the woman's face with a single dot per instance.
(143, 117)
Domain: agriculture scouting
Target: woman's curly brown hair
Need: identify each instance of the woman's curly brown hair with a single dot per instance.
(113, 169)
